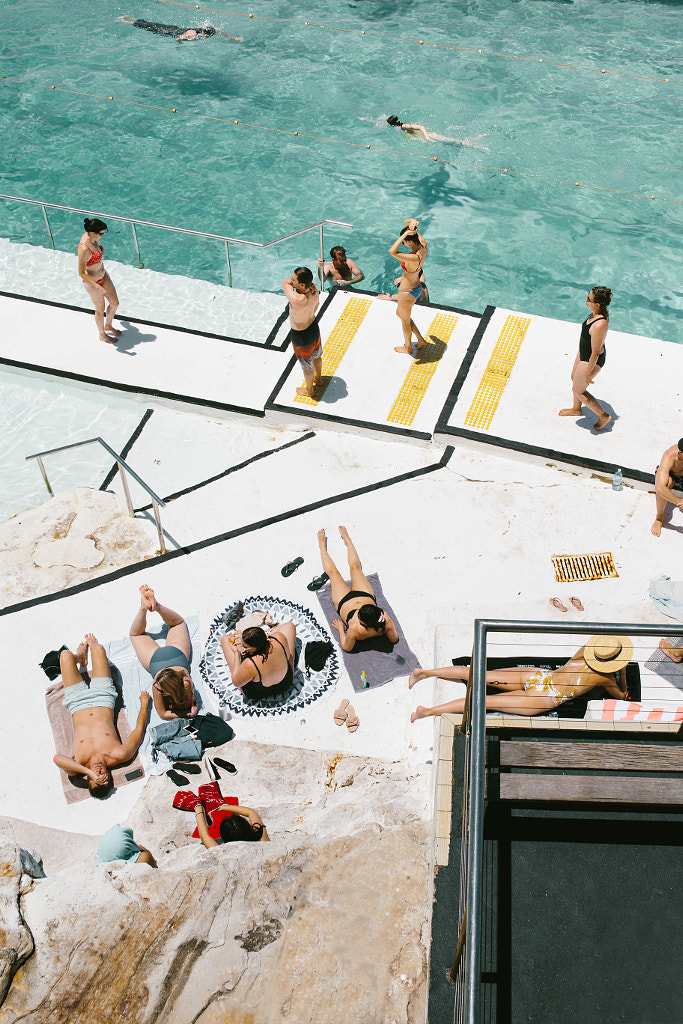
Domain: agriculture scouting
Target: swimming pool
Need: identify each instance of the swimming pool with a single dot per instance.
(528, 243)
(37, 414)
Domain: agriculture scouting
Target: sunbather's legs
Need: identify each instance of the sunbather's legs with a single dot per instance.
(338, 587)
(68, 664)
(502, 678)
(512, 703)
(358, 579)
(100, 663)
(143, 644)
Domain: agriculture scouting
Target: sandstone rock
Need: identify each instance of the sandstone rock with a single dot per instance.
(78, 552)
(17, 868)
(325, 923)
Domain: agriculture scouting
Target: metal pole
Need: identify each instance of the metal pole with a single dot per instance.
(160, 532)
(47, 225)
(47, 482)
(322, 257)
(227, 260)
(122, 473)
(476, 837)
(137, 248)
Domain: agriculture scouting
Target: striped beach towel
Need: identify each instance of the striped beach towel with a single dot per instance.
(629, 711)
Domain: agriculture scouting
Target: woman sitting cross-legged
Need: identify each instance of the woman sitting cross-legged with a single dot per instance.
(360, 619)
(172, 690)
(533, 691)
(261, 664)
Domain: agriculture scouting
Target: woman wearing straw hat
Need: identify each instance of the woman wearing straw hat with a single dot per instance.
(533, 691)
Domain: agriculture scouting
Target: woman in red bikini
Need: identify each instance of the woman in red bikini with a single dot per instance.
(96, 280)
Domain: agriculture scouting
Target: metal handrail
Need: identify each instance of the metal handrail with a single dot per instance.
(466, 1008)
(124, 468)
(133, 221)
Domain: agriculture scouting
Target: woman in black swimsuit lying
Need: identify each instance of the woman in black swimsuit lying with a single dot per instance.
(261, 664)
(361, 619)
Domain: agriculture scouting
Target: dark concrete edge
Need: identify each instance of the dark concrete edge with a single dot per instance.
(465, 365)
(126, 449)
(146, 564)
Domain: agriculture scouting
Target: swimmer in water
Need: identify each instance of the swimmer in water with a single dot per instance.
(419, 129)
(181, 35)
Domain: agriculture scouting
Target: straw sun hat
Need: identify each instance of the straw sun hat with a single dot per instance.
(608, 653)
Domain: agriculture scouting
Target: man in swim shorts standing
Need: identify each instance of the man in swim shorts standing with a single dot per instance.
(668, 475)
(304, 299)
(97, 745)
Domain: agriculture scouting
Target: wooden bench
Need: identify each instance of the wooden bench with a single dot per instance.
(577, 769)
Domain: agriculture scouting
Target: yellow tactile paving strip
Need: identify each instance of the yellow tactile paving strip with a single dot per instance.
(414, 387)
(497, 373)
(341, 336)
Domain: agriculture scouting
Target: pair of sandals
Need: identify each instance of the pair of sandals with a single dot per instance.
(194, 769)
(556, 603)
(316, 583)
(346, 715)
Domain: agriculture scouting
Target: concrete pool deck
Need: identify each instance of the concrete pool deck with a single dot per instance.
(456, 530)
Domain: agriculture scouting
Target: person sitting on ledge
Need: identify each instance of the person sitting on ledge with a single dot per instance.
(533, 691)
(669, 474)
(97, 745)
(170, 665)
(361, 619)
(261, 664)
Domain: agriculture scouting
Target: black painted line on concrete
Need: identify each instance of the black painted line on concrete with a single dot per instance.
(147, 564)
(232, 469)
(343, 420)
(133, 389)
(136, 320)
(272, 334)
(468, 358)
(604, 468)
(126, 449)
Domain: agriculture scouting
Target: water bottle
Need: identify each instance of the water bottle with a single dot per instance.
(617, 480)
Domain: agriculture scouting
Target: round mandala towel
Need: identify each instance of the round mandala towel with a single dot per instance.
(304, 690)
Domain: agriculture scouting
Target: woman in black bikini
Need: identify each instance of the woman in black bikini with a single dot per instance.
(261, 664)
(361, 619)
(591, 356)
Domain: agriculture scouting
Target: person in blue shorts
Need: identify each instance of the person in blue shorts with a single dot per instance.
(97, 744)
(172, 689)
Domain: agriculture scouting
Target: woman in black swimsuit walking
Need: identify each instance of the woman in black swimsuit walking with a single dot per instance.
(591, 356)
(361, 619)
(261, 664)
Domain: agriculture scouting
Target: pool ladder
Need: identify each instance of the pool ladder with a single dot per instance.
(123, 468)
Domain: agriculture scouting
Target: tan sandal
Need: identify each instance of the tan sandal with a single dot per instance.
(341, 713)
(577, 604)
(556, 603)
(352, 719)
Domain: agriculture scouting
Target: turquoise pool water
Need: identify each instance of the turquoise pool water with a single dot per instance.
(35, 415)
(523, 242)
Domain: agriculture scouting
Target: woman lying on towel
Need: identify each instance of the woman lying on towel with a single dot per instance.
(533, 691)
(172, 690)
(261, 664)
(360, 618)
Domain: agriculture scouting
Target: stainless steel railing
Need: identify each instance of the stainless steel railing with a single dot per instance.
(134, 221)
(465, 970)
(124, 468)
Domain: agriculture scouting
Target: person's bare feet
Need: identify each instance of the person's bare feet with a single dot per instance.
(405, 350)
(415, 676)
(570, 412)
(109, 341)
(148, 600)
(603, 421)
(91, 640)
(675, 653)
(322, 540)
(81, 654)
(304, 392)
(656, 528)
(110, 329)
(345, 535)
(419, 712)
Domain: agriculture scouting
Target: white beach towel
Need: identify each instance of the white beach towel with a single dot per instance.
(134, 679)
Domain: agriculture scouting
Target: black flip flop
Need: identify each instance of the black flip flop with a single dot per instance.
(292, 566)
(228, 765)
(191, 769)
(177, 778)
(318, 582)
